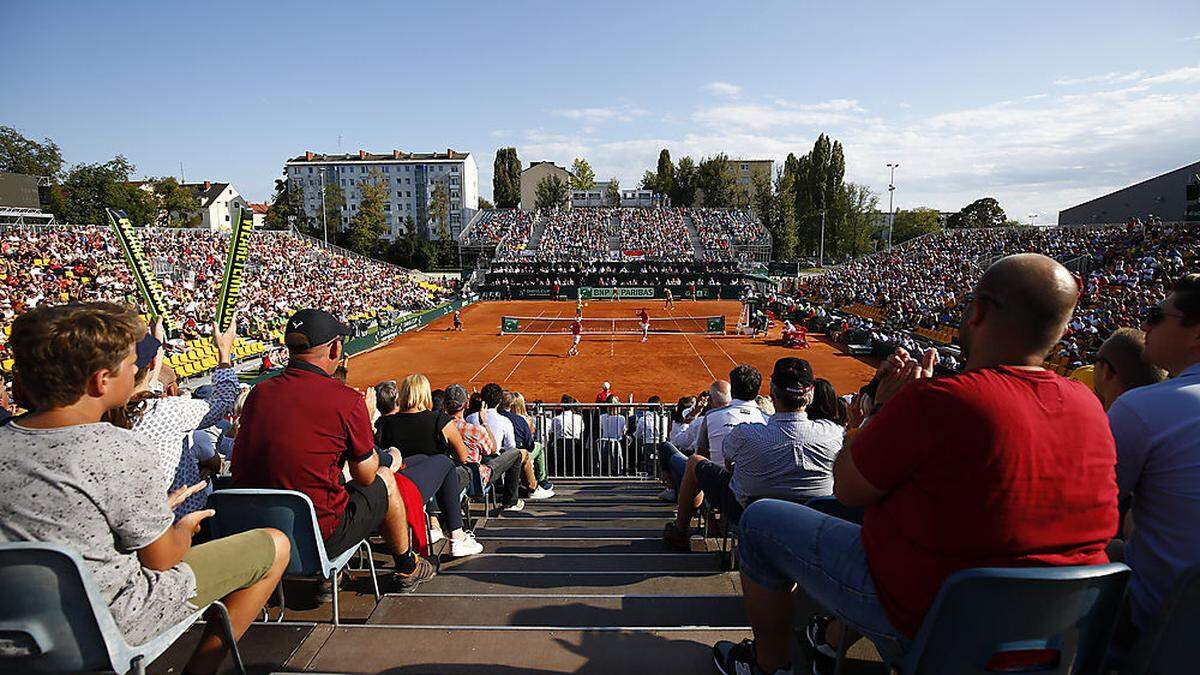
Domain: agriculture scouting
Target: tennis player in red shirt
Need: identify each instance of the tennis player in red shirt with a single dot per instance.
(1004, 465)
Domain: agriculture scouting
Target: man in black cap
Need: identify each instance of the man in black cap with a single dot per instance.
(790, 457)
(298, 429)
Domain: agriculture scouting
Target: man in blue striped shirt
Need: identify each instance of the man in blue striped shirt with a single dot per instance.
(790, 457)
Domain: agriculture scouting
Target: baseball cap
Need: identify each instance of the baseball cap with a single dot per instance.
(310, 328)
(456, 398)
(606, 386)
(147, 347)
(792, 375)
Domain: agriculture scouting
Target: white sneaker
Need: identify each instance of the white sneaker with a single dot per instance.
(519, 506)
(436, 535)
(668, 495)
(541, 493)
(460, 548)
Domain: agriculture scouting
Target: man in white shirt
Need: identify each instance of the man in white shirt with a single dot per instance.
(497, 424)
(744, 383)
(566, 434)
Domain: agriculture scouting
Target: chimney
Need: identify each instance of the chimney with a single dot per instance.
(362, 154)
(208, 185)
(395, 154)
(308, 156)
(450, 153)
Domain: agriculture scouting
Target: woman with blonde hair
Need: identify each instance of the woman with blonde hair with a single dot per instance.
(433, 452)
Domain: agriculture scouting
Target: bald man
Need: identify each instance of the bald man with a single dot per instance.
(1004, 465)
(1121, 365)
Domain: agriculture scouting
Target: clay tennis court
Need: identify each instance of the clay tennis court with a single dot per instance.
(668, 365)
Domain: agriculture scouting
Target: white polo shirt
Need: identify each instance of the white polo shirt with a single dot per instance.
(711, 431)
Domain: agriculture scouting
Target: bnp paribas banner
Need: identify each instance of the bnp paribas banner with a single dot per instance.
(588, 293)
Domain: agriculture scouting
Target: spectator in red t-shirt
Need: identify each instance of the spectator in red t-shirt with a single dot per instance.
(1004, 465)
(300, 428)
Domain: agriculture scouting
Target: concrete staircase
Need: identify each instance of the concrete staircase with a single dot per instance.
(694, 234)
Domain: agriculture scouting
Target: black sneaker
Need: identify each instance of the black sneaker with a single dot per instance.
(739, 659)
(675, 539)
(821, 656)
(409, 582)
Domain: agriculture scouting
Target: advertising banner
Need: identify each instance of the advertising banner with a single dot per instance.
(235, 266)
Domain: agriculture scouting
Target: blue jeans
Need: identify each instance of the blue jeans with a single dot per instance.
(782, 544)
(674, 461)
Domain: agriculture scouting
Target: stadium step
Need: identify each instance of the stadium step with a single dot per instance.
(577, 583)
(697, 242)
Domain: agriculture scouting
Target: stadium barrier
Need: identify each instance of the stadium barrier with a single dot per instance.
(601, 440)
(659, 325)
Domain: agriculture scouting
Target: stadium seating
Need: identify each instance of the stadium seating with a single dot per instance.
(1046, 620)
(290, 512)
(59, 622)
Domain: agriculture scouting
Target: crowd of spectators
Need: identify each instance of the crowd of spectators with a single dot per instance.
(723, 229)
(494, 225)
(686, 280)
(922, 283)
(50, 265)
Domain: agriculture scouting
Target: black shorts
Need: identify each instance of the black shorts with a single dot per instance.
(363, 515)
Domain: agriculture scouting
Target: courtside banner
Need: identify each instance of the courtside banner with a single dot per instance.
(235, 266)
(139, 267)
(587, 293)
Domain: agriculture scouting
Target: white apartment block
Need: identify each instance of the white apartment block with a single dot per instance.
(410, 178)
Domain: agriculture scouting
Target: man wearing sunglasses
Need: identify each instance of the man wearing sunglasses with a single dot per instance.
(1157, 429)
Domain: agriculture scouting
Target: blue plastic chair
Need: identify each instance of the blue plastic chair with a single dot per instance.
(1056, 620)
(1167, 649)
(479, 490)
(292, 513)
(53, 618)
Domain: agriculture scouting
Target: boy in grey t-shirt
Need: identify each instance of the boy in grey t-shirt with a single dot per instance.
(67, 478)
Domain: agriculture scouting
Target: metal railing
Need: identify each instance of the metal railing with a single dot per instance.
(601, 440)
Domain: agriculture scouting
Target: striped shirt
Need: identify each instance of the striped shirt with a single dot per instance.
(790, 457)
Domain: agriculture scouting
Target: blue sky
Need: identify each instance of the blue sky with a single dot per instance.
(1041, 104)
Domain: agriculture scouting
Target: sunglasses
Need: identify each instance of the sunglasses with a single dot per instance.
(1156, 314)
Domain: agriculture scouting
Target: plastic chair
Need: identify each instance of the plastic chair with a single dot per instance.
(478, 490)
(1056, 620)
(58, 621)
(1167, 649)
(292, 513)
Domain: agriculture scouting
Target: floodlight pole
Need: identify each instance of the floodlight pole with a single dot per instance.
(891, 209)
(821, 261)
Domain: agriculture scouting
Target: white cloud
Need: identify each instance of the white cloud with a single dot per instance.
(1106, 78)
(625, 113)
(500, 133)
(760, 117)
(722, 89)
(1036, 154)
(904, 105)
(1194, 38)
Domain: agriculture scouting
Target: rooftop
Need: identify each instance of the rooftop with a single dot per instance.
(364, 156)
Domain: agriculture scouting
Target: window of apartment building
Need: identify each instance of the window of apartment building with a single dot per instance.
(408, 181)
(387, 207)
(408, 193)
(454, 169)
(745, 167)
(310, 170)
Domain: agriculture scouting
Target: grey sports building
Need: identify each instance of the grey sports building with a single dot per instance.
(1164, 197)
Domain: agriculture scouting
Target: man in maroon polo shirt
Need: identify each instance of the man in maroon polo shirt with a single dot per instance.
(299, 428)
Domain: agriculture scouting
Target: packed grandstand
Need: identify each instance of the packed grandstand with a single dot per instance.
(774, 461)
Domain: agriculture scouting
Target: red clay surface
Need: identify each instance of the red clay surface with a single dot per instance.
(668, 365)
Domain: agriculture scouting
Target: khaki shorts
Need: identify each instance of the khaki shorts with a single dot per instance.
(225, 565)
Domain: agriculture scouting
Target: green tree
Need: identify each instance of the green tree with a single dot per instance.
(762, 201)
(552, 192)
(368, 227)
(612, 193)
(684, 193)
(783, 218)
(984, 212)
(715, 178)
(857, 207)
(439, 211)
(335, 204)
(665, 177)
(649, 181)
(912, 223)
(506, 180)
(86, 190)
(287, 207)
(485, 205)
(584, 178)
(176, 204)
(23, 155)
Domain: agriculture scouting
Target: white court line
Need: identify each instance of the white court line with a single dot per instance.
(501, 351)
(689, 341)
(527, 353)
(718, 344)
